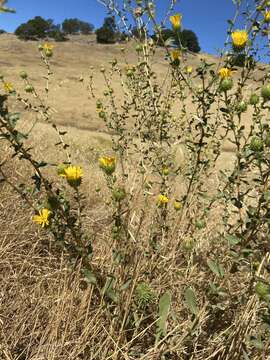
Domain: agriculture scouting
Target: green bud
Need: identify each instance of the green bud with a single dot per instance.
(29, 88)
(226, 84)
(129, 73)
(265, 92)
(23, 75)
(200, 224)
(119, 194)
(254, 99)
(256, 144)
(241, 107)
(188, 244)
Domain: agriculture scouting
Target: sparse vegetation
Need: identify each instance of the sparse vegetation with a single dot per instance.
(146, 244)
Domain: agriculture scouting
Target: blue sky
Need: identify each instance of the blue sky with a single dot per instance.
(208, 18)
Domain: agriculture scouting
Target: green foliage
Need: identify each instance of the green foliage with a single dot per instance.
(190, 40)
(165, 34)
(182, 39)
(191, 301)
(39, 28)
(34, 29)
(107, 34)
(145, 296)
(75, 26)
(163, 313)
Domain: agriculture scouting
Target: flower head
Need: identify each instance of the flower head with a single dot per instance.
(189, 69)
(177, 205)
(43, 217)
(48, 49)
(162, 200)
(176, 21)
(239, 39)
(73, 174)
(8, 87)
(176, 55)
(108, 164)
(266, 16)
(225, 73)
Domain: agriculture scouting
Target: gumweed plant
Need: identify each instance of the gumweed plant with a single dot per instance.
(177, 217)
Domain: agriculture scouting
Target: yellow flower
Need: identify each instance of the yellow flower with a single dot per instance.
(73, 174)
(176, 55)
(108, 164)
(225, 73)
(267, 16)
(43, 217)
(162, 200)
(8, 87)
(48, 49)
(176, 21)
(189, 69)
(165, 171)
(177, 205)
(239, 38)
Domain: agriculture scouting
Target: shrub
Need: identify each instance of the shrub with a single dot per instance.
(76, 26)
(34, 29)
(190, 40)
(107, 34)
(86, 28)
(71, 26)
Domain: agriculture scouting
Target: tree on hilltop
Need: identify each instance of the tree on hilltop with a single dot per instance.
(107, 34)
(39, 28)
(76, 26)
(187, 37)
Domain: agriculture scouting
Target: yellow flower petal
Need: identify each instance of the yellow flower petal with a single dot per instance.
(176, 21)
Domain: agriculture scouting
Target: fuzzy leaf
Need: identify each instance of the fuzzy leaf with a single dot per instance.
(191, 301)
(90, 277)
(164, 309)
(216, 268)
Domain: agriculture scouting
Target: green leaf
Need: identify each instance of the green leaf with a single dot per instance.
(164, 310)
(89, 276)
(232, 239)
(13, 119)
(191, 301)
(216, 268)
(108, 289)
(257, 343)
(126, 285)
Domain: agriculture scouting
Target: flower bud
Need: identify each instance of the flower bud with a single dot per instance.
(254, 99)
(23, 75)
(265, 92)
(226, 84)
(119, 194)
(256, 144)
(241, 107)
(29, 88)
